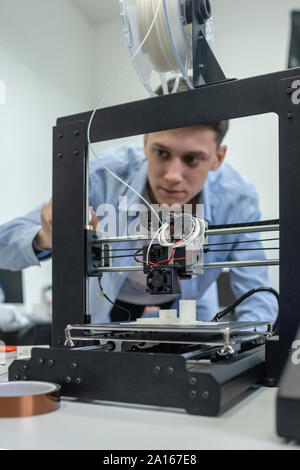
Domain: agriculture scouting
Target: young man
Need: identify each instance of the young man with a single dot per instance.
(177, 166)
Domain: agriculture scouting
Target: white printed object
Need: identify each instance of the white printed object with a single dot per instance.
(167, 315)
(187, 311)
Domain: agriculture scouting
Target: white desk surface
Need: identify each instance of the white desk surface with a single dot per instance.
(249, 425)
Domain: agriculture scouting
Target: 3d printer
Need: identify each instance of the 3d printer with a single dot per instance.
(203, 368)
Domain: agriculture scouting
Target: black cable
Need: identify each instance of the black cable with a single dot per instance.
(115, 304)
(245, 224)
(244, 241)
(125, 249)
(121, 256)
(205, 250)
(136, 254)
(208, 250)
(127, 255)
(235, 304)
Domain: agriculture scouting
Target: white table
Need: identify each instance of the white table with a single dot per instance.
(249, 425)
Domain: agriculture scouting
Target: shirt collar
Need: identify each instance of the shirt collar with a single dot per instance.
(138, 182)
(206, 199)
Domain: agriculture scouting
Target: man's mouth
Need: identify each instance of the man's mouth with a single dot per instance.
(171, 192)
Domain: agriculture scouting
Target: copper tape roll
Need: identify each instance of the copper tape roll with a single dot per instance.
(20, 399)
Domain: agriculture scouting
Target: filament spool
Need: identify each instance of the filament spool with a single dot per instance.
(167, 52)
(159, 45)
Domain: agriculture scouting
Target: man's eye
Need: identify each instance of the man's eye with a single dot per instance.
(161, 153)
(191, 160)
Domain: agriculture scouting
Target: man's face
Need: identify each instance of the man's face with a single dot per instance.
(179, 162)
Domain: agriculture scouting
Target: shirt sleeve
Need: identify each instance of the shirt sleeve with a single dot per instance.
(261, 306)
(16, 237)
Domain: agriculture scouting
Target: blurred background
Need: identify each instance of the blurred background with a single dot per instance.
(59, 57)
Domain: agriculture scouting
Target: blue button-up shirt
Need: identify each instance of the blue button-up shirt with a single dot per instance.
(227, 197)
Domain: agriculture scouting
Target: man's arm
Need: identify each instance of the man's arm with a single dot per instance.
(26, 241)
(16, 242)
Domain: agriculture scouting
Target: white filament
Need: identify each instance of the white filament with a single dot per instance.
(196, 234)
(167, 46)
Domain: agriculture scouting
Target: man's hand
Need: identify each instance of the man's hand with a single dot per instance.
(44, 237)
(93, 219)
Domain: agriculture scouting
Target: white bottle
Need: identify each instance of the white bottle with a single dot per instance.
(2, 294)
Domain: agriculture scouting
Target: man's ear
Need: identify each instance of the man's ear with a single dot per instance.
(220, 157)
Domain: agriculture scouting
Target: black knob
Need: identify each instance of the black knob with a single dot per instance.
(203, 10)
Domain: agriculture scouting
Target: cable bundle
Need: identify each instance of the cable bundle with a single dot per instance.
(197, 233)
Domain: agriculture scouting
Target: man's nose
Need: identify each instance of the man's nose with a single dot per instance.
(174, 172)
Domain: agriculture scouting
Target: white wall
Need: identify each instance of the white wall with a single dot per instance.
(254, 41)
(45, 60)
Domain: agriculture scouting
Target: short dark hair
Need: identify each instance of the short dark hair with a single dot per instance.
(220, 127)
